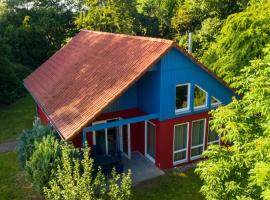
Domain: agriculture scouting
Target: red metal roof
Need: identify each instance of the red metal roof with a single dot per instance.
(88, 73)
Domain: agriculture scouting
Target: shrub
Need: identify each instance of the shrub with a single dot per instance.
(29, 138)
(75, 179)
(44, 161)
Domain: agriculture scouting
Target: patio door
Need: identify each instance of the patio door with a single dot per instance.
(106, 140)
(150, 141)
(125, 141)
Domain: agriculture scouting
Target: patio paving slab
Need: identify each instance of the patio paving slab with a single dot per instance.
(141, 168)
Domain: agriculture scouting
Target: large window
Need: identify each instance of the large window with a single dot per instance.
(197, 138)
(200, 97)
(182, 97)
(180, 143)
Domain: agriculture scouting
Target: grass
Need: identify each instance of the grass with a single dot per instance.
(175, 185)
(13, 184)
(16, 117)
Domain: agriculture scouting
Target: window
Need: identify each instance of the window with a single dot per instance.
(200, 97)
(182, 97)
(215, 101)
(197, 138)
(180, 143)
(213, 137)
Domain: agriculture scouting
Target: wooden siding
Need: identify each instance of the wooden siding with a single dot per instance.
(176, 69)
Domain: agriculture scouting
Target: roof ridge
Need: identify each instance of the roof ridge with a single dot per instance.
(131, 36)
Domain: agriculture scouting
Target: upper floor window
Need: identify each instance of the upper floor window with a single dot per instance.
(215, 101)
(182, 97)
(200, 97)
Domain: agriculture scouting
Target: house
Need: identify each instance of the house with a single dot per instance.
(129, 93)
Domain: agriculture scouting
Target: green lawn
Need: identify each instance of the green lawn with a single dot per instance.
(16, 117)
(13, 184)
(174, 185)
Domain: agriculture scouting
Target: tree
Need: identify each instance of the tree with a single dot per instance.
(29, 139)
(196, 16)
(242, 38)
(155, 17)
(76, 179)
(115, 16)
(242, 170)
(44, 161)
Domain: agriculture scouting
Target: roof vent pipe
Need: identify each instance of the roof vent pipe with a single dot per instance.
(190, 42)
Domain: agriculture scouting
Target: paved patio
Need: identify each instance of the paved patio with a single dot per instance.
(141, 168)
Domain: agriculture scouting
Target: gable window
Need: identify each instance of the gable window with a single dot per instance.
(182, 97)
(197, 138)
(215, 101)
(200, 97)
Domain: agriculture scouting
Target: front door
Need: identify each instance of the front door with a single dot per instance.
(150, 141)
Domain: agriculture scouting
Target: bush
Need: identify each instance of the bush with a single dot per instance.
(75, 179)
(44, 161)
(29, 139)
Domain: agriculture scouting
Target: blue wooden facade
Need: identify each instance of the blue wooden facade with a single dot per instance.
(155, 91)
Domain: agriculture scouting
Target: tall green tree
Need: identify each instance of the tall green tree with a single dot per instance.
(242, 38)
(155, 17)
(242, 170)
(117, 16)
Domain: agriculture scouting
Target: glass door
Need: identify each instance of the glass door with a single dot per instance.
(150, 141)
(125, 141)
(106, 141)
(180, 143)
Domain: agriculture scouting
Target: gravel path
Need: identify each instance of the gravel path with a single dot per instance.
(8, 146)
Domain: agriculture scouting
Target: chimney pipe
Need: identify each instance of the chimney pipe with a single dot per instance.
(190, 42)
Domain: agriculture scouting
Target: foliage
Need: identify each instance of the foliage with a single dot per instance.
(25, 27)
(110, 16)
(154, 17)
(29, 139)
(242, 171)
(75, 180)
(242, 38)
(44, 161)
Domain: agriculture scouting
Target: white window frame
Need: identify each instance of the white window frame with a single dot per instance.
(215, 104)
(145, 140)
(213, 142)
(178, 151)
(106, 132)
(200, 145)
(180, 110)
(206, 98)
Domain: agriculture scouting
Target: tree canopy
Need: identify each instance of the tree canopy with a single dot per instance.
(242, 38)
(242, 170)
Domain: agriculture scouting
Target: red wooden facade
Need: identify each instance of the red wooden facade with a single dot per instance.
(164, 134)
